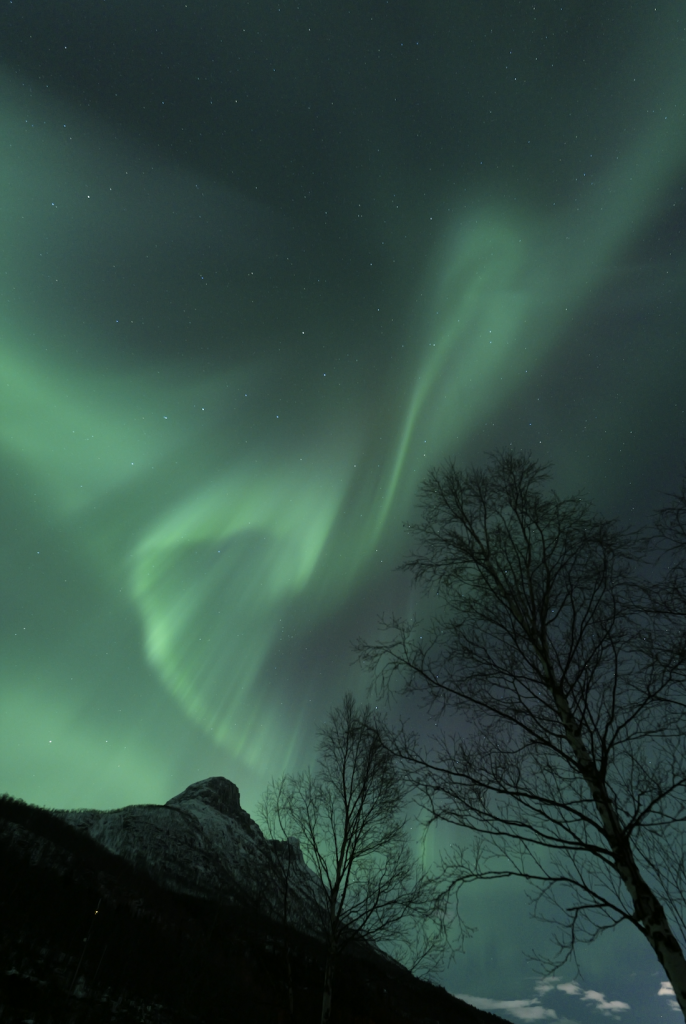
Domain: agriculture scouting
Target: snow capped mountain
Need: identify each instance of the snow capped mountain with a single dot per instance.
(203, 843)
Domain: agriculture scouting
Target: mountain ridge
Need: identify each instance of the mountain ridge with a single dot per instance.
(201, 842)
(138, 938)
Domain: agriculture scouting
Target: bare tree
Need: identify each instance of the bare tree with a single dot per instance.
(668, 594)
(555, 677)
(349, 818)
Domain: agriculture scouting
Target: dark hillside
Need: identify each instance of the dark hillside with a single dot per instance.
(86, 937)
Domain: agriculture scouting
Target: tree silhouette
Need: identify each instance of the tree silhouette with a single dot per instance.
(349, 819)
(562, 662)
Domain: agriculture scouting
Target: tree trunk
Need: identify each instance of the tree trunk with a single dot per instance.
(649, 914)
(326, 996)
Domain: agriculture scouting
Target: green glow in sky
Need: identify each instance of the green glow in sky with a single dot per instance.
(213, 545)
(212, 580)
(241, 315)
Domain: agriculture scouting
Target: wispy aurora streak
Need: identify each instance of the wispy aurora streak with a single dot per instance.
(214, 553)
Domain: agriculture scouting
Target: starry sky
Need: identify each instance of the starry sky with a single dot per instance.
(262, 264)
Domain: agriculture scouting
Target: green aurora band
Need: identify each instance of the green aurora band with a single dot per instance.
(213, 555)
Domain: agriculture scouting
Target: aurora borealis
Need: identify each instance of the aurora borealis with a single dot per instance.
(262, 265)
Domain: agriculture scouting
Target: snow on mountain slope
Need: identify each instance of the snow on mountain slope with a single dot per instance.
(203, 843)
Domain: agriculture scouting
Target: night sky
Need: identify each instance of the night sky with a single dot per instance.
(262, 264)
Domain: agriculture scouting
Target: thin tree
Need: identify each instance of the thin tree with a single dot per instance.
(349, 818)
(668, 595)
(555, 684)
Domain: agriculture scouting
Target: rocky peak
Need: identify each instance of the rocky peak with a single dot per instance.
(219, 793)
(203, 843)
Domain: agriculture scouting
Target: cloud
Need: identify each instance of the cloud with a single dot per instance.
(521, 1009)
(606, 1006)
(532, 1009)
(542, 987)
(667, 989)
